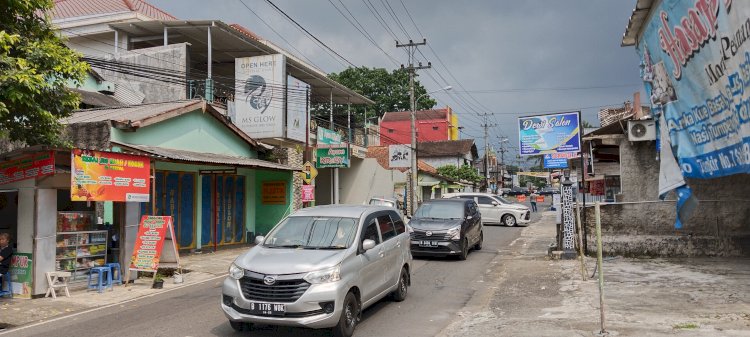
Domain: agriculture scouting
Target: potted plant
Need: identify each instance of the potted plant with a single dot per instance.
(158, 281)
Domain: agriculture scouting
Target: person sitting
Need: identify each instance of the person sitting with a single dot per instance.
(5, 253)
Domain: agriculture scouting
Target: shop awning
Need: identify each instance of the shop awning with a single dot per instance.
(176, 155)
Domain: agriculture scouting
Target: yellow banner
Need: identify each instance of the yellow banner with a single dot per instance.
(534, 174)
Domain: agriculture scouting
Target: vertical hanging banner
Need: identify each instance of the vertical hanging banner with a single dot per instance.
(27, 167)
(259, 95)
(21, 275)
(297, 107)
(109, 176)
(308, 193)
(152, 232)
(695, 57)
(554, 133)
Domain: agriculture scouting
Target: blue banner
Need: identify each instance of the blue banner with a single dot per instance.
(555, 163)
(696, 67)
(555, 133)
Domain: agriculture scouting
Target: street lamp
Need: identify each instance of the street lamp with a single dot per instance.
(413, 198)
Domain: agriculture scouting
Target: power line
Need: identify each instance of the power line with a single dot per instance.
(362, 30)
(308, 32)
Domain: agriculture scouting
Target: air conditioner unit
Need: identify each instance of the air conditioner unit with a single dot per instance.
(641, 130)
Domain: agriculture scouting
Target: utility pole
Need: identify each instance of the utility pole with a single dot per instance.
(486, 126)
(502, 150)
(411, 49)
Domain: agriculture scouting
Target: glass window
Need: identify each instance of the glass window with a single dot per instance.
(371, 232)
(313, 232)
(386, 227)
(441, 210)
(485, 200)
(398, 224)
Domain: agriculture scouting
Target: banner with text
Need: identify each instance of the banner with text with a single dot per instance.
(308, 193)
(27, 167)
(259, 95)
(554, 133)
(273, 192)
(328, 137)
(21, 275)
(149, 243)
(109, 176)
(696, 68)
(332, 157)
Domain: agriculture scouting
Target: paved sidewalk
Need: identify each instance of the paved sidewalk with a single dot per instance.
(537, 296)
(204, 266)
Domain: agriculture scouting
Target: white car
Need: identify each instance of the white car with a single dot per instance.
(496, 209)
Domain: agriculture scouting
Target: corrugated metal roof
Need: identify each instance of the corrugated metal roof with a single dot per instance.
(97, 99)
(446, 148)
(201, 157)
(65, 9)
(127, 113)
(635, 23)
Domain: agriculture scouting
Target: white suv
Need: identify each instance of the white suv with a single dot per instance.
(496, 209)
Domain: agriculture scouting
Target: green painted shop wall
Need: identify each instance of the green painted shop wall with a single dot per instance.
(269, 215)
(194, 131)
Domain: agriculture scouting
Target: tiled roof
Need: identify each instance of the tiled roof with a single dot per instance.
(420, 115)
(65, 9)
(380, 153)
(446, 148)
(97, 99)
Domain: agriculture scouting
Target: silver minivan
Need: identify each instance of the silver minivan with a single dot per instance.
(319, 268)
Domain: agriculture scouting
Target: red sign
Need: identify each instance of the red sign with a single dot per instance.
(521, 198)
(308, 193)
(109, 176)
(149, 243)
(540, 199)
(27, 167)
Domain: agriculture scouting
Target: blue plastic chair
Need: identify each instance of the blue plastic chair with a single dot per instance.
(116, 272)
(103, 280)
(5, 279)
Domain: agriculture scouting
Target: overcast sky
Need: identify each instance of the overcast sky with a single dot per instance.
(505, 55)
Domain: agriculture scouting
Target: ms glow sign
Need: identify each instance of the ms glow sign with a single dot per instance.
(259, 95)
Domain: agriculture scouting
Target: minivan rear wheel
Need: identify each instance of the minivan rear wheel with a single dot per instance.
(509, 220)
(464, 250)
(349, 317)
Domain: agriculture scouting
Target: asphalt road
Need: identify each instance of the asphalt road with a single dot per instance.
(440, 288)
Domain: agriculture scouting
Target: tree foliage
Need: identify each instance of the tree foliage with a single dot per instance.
(389, 91)
(465, 172)
(35, 68)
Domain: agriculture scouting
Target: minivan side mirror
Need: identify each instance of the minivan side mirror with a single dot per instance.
(259, 239)
(368, 244)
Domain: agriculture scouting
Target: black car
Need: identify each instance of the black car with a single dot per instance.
(549, 191)
(443, 227)
(516, 191)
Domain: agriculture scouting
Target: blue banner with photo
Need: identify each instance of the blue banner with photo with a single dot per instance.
(554, 133)
(695, 57)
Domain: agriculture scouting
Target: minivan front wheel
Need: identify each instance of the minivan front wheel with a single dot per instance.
(349, 317)
(464, 249)
(403, 283)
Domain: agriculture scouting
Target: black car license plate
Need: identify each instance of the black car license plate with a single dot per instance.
(267, 309)
(427, 243)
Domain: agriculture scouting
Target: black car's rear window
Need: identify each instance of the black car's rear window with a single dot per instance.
(441, 210)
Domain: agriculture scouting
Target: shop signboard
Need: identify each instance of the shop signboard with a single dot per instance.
(20, 275)
(109, 176)
(149, 242)
(273, 192)
(27, 167)
(554, 133)
(328, 137)
(308, 193)
(694, 64)
(551, 161)
(399, 156)
(297, 107)
(259, 95)
(332, 157)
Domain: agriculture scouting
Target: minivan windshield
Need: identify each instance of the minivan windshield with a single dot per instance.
(441, 210)
(309, 232)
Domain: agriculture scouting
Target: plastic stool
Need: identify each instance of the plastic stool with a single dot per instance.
(101, 283)
(5, 278)
(116, 272)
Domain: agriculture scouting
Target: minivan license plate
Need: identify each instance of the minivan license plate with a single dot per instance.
(426, 243)
(267, 309)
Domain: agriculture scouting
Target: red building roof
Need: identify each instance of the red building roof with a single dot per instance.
(64, 9)
(420, 115)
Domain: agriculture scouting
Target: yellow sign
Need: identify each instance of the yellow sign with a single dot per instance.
(273, 192)
(309, 172)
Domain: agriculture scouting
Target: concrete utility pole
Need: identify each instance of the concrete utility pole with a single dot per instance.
(411, 49)
(486, 126)
(502, 150)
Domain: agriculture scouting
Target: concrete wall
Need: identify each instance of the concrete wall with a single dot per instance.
(639, 171)
(99, 45)
(366, 179)
(172, 58)
(268, 216)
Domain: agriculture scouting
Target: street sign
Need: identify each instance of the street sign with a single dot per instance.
(332, 157)
(309, 172)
